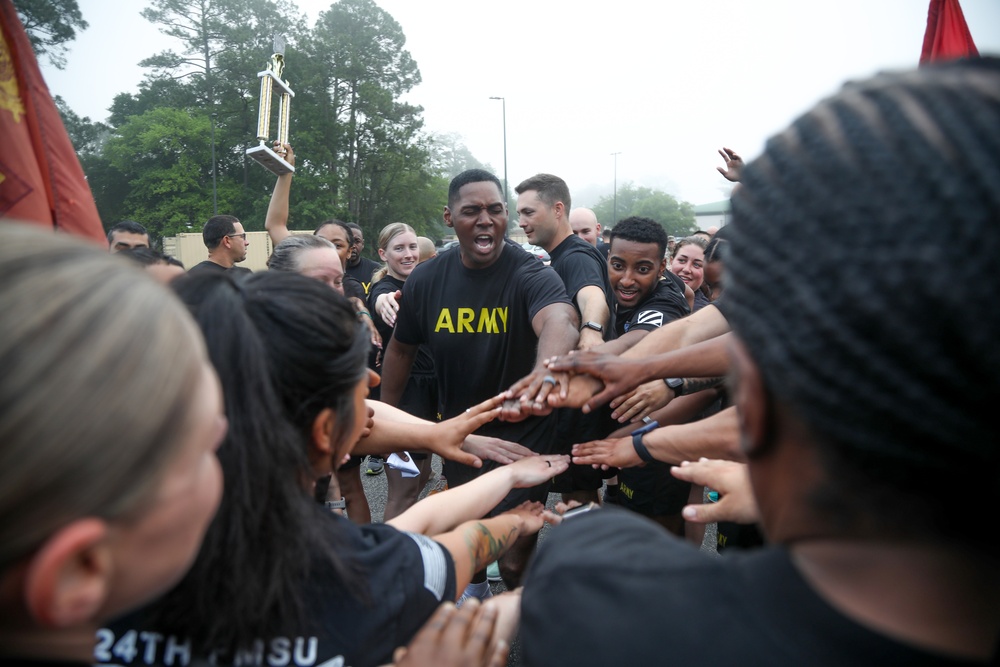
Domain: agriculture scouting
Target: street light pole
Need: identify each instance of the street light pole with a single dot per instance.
(503, 100)
(215, 197)
(615, 215)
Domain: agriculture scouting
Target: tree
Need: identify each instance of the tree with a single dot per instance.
(86, 135)
(369, 139)
(450, 156)
(50, 25)
(164, 156)
(675, 217)
(224, 43)
(361, 154)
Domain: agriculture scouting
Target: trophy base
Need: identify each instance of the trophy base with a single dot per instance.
(271, 161)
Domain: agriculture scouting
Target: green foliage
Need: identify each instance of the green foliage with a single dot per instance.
(361, 154)
(676, 217)
(86, 135)
(164, 158)
(359, 70)
(50, 25)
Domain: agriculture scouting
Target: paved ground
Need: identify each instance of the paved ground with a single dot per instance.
(375, 490)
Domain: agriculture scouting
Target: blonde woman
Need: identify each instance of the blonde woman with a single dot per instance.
(399, 248)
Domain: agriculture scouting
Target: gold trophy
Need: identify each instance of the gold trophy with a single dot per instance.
(270, 78)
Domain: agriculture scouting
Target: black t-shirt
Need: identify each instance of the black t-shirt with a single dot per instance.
(476, 323)
(208, 266)
(651, 489)
(580, 264)
(665, 304)
(408, 576)
(700, 300)
(659, 600)
(353, 288)
(362, 272)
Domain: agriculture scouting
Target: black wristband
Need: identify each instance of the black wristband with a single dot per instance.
(677, 384)
(640, 448)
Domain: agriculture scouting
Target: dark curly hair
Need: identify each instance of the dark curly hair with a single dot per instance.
(641, 230)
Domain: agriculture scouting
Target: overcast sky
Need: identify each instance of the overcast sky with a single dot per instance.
(664, 84)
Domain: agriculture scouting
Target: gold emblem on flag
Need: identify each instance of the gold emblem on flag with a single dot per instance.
(9, 97)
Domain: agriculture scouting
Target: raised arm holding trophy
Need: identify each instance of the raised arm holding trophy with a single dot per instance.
(269, 78)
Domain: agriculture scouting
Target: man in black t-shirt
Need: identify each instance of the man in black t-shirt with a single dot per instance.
(489, 313)
(358, 267)
(543, 206)
(227, 245)
(359, 272)
(645, 302)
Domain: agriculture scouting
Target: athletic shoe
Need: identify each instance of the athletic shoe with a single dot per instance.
(375, 466)
(480, 590)
(493, 572)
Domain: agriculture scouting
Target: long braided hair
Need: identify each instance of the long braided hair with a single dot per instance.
(882, 339)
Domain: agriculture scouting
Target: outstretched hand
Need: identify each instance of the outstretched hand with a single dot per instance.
(610, 453)
(452, 433)
(732, 481)
(617, 374)
(456, 637)
(734, 165)
(387, 306)
(529, 396)
(495, 449)
(532, 515)
(535, 470)
(644, 400)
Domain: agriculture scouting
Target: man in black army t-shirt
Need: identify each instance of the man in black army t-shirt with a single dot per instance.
(490, 314)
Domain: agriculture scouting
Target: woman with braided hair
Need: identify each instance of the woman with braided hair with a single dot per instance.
(863, 396)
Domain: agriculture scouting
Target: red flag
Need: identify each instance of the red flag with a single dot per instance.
(947, 36)
(41, 180)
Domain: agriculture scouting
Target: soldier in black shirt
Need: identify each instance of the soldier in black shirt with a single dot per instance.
(543, 206)
(645, 302)
(359, 267)
(489, 313)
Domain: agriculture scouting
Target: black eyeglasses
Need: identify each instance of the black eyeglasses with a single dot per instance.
(242, 235)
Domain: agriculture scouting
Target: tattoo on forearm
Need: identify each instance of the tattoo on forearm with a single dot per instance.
(691, 385)
(484, 546)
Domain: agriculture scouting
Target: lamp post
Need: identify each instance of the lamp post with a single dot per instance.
(503, 100)
(614, 217)
(215, 196)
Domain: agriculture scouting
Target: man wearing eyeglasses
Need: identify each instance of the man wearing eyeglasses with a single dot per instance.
(227, 245)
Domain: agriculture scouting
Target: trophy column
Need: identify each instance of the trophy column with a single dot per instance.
(269, 79)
